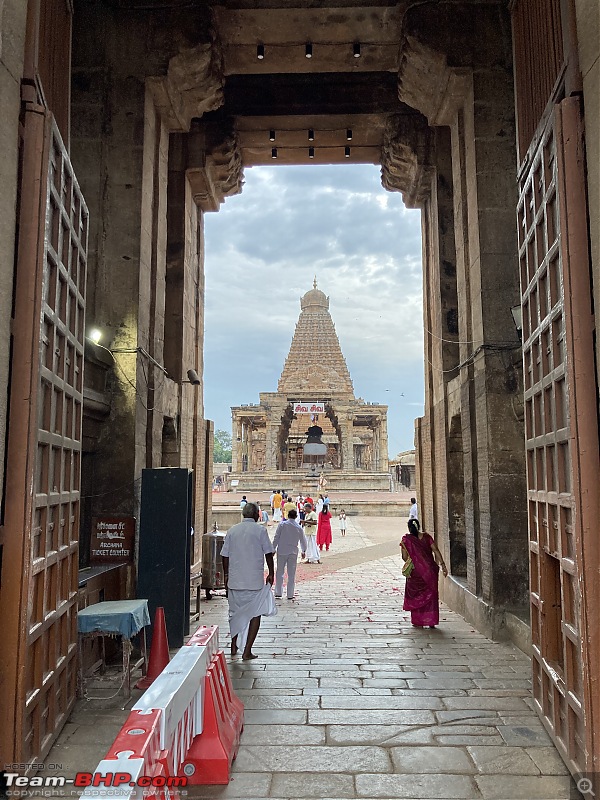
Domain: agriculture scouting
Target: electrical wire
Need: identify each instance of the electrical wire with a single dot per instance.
(111, 491)
(493, 347)
(466, 341)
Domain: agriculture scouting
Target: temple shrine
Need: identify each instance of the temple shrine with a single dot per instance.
(313, 424)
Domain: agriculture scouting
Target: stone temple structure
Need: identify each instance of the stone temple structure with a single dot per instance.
(314, 390)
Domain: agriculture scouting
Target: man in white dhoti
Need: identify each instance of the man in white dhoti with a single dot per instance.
(286, 540)
(246, 548)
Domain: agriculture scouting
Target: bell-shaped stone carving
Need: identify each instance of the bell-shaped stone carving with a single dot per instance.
(314, 445)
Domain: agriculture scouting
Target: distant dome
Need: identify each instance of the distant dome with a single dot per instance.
(314, 299)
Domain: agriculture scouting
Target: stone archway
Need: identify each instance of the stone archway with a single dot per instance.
(169, 106)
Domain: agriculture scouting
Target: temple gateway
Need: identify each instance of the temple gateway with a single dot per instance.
(313, 424)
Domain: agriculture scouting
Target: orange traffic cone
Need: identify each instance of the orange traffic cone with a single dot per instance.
(159, 652)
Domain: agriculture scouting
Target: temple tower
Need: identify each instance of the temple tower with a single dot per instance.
(315, 388)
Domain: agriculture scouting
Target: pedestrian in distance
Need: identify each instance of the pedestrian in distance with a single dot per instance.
(413, 512)
(320, 504)
(309, 523)
(246, 548)
(422, 557)
(288, 536)
(324, 538)
(343, 522)
(243, 501)
(263, 516)
(288, 506)
(277, 501)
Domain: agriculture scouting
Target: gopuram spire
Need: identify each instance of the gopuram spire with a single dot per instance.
(315, 362)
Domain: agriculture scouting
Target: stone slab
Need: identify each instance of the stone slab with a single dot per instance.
(282, 734)
(242, 785)
(333, 716)
(305, 784)
(305, 758)
(524, 735)
(270, 716)
(284, 682)
(432, 759)
(388, 703)
(416, 787)
(524, 787)
(502, 760)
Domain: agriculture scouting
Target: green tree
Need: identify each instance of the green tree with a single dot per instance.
(222, 448)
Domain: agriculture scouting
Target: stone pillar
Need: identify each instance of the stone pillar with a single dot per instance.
(376, 448)
(249, 435)
(347, 428)
(236, 442)
(474, 97)
(271, 446)
(384, 462)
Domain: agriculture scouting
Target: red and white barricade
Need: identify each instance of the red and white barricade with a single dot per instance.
(186, 725)
(135, 766)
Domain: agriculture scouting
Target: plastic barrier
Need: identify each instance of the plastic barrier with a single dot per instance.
(178, 692)
(206, 636)
(211, 755)
(135, 753)
(188, 724)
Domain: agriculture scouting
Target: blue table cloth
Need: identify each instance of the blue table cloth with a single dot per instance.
(125, 617)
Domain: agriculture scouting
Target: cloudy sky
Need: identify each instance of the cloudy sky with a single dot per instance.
(264, 248)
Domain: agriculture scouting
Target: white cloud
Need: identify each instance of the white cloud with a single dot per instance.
(262, 251)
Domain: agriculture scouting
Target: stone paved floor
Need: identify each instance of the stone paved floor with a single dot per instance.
(348, 700)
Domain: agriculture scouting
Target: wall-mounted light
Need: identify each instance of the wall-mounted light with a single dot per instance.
(95, 335)
(193, 377)
(349, 134)
(347, 152)
(517, 315)
(260, 51)
(356, 49)
(308, 50)
(311, 135)
(311, 152)
(273, 152)
(271, 136)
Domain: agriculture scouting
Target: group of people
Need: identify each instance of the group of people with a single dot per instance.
(247, 546)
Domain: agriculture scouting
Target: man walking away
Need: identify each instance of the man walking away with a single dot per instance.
(246, 548)
(287, 537)
(414, 511)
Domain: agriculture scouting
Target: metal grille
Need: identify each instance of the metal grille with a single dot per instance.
(555, 599)
(52, 629)
(538, 59)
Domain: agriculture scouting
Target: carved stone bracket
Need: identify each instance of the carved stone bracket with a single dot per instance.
(215, 171)
(427, 82)
(406, 158)
(192, 86)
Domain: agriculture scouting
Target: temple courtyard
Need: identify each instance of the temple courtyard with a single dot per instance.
(348, 700)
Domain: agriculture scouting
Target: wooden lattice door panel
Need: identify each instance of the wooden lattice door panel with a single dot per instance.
(554, 487)
(50, 683)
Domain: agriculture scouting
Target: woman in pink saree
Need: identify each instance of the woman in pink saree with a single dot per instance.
(324, 529)
(421, 591)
